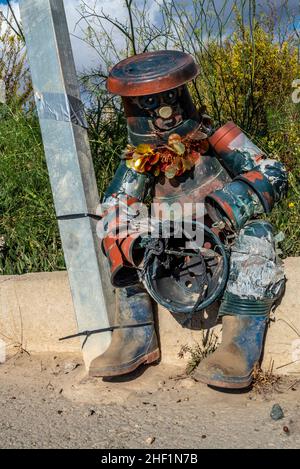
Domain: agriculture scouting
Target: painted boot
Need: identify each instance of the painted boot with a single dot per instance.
(232, 364)
(135, 342)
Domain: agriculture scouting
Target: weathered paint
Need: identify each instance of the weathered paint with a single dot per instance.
(276, 174)
(236, 151)
(268, 189)
(236, 203)
(151, 72)
(254, 176)
(127, 182)
(244, 160)
(130, 249)
(117, 245)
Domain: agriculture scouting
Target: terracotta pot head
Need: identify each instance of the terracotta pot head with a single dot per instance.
(155, 96)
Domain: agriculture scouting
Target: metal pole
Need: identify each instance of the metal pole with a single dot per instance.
(70, 166)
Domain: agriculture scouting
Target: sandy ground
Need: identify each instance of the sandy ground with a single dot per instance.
(48, 402)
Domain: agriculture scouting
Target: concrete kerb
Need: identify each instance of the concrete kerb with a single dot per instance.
(36, 310)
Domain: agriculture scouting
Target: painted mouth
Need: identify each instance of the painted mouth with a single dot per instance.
(170, 123)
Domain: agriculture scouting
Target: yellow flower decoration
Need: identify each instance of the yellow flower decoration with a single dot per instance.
(144, 148)
(173, 159)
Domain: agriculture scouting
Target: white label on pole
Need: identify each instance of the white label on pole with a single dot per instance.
(2, 351)
(2, 92)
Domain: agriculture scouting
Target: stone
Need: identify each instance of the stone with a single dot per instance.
(150, 440)
(276, 412)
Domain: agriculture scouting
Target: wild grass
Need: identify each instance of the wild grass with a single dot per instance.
(28, 224)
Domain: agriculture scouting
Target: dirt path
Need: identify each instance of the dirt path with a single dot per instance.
(47, 402)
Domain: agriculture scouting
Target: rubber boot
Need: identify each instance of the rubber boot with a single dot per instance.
(232, 364)
(130, 346)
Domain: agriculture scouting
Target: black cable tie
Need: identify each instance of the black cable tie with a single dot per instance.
(106, 329)
(74, 216)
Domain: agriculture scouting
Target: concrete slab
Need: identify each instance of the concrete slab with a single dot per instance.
(36, 310)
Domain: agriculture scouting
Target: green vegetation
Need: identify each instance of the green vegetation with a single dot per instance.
(247, 65)
(27, 217)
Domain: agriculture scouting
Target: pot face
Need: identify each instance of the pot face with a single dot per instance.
(154, 117)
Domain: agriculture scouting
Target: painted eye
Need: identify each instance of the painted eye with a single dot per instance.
(170, 97)
(148, 102)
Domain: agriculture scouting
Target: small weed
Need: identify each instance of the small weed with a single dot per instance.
(208, 344)
(265, 382)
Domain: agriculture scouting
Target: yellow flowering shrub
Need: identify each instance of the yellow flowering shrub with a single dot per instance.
(248, 78)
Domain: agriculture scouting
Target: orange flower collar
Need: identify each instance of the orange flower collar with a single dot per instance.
(173, 159)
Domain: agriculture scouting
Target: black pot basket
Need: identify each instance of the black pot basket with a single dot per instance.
(186, 270)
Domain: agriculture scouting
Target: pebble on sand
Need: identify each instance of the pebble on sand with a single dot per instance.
(150, 440)
(276, 412)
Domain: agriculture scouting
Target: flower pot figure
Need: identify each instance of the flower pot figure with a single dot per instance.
(175, 158)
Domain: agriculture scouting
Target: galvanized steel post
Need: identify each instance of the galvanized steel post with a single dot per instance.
(70, 166)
